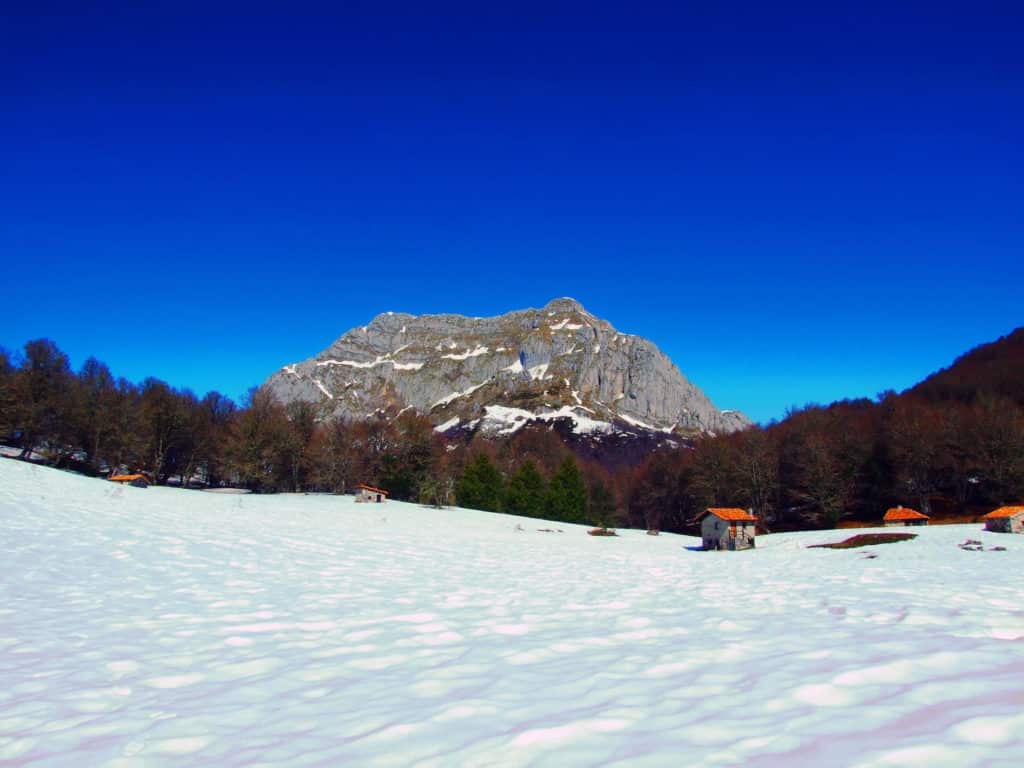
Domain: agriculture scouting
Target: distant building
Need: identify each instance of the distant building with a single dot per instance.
(900, 516)
(138, 481)
(1005, 520)
(727, 529)
(366, 493)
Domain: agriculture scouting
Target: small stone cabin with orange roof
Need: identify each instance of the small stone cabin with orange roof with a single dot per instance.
(367, 493)
(1005, 520)
(723, 528)
(900, 516)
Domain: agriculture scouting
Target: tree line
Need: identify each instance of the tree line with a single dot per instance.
(852, 459)
(565, 496)
(954, 443)
(94, 422)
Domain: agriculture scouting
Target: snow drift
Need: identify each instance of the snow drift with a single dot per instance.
(160, 627)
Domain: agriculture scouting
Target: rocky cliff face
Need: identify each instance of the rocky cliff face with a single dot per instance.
(497, 374)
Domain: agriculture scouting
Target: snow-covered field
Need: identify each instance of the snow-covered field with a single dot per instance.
(168, 627)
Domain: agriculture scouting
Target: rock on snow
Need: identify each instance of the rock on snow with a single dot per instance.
(160, 627)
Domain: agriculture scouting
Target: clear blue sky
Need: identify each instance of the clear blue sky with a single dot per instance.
(796, 202)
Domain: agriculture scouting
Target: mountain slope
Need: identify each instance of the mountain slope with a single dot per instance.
(499, 373)
(996, 368)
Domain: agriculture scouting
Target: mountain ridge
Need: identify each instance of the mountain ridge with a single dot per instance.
(499, 373)
(991, 368)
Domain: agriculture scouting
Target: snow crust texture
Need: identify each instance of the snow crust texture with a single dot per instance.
(165, 627)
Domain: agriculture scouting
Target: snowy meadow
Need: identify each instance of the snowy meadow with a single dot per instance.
(150, 627)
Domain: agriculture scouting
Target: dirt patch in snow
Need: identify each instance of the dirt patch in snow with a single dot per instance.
(866, 540)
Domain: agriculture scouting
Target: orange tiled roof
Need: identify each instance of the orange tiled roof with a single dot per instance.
(371, 489)
(904, 513)
(1004, 512)
(127, 478)
(733, 515)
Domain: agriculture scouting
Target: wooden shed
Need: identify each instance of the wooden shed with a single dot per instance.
(900, 516)
(367, 493)
(727, 528)
(136, 480)
(1005, 520)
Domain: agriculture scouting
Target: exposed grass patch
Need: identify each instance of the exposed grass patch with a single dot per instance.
(866, 540)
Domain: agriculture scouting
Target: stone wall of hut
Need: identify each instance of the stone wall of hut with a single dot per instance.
(716, 533)
(1005, 524)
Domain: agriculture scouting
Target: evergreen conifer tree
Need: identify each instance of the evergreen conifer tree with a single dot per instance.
(526, 491)
(480, 486)
(567, 494)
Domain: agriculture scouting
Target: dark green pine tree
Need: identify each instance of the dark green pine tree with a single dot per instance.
(480, 486)
(567, 494)
(525, 495)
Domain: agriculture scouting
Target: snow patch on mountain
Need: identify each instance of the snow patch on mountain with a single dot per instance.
(566, 325)
(538, 372)
(354, 363)
(503, 420)
(637, 422)
(582, 423)
(481, 350)
(456, 395)
(450, 424)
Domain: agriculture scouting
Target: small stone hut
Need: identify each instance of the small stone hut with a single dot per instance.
(900, 516)
(137, 480)
(367, 493)
(1005, 520)
(727, 528)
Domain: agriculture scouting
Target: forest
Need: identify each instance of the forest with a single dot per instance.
(952, 446)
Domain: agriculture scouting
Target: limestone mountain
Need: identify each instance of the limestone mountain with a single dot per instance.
(497, 374)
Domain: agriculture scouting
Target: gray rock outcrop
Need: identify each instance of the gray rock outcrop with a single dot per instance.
(500, 372)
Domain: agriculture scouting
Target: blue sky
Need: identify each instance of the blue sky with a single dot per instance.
(796, 202)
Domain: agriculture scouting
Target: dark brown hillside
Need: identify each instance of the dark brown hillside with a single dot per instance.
(952, 447)
(996, 368)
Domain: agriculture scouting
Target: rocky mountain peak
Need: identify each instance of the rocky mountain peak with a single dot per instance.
(499, 373)
(564, 304)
